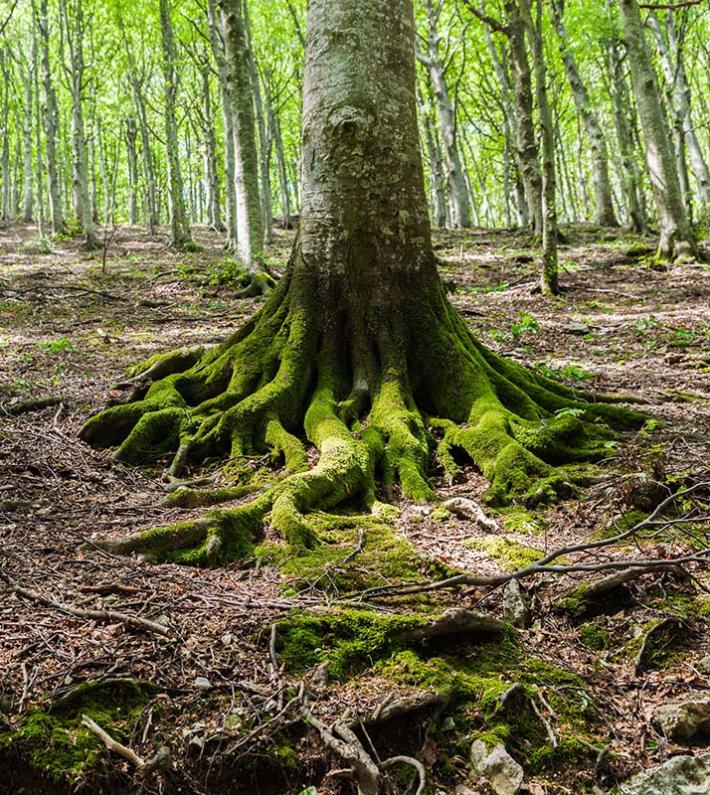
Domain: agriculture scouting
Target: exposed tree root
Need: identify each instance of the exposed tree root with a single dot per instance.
(377, 398)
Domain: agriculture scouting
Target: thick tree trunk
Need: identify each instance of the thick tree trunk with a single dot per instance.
(679, 98)
(358, 347)
(179, 222)
(249, 213)
(50, 114)
(604, 206)
(455, 176)
(676, 236)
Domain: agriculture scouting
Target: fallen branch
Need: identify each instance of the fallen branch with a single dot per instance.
(104, 616)
(33, 404)
(161, 760)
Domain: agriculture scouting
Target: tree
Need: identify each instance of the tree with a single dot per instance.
(676, 235)
(179, 222)
(604, 209)
(358, 348)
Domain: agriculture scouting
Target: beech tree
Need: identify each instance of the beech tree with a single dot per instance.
(358, 350)
(676, 235)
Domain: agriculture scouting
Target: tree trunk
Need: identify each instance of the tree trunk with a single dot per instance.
(50, 115)
(676, 236)
(436, 168)
(27, 195)
(281, 167)
(455, 176)
(250, 226)
(522, 90)
(621, 105)
(358, 347)
(217, 45)
(673, 64)
(74, 31)
(604, 206)
(131, 135)
(179, 222)
(550, 273)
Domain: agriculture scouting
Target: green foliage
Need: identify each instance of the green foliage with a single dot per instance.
(525, 324)
(58, 346)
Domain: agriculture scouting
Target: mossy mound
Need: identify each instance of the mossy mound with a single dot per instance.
(510, 555)
(55, 743)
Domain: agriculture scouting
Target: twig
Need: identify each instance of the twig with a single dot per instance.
(548, 726)
(106, 616)
(111, 744)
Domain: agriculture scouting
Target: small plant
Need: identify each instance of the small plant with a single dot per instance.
(682, 337)
(496, 334)
(61, 345)
(525, 324)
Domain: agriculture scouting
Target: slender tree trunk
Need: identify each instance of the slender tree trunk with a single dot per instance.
(522, 90)
(50, 117)
(74, 31)
(179, 222)
(250, 226)
(550, 274)
(217, 44)
(281, 167)
(676, 236)
(131, 135)
(28, 195)
(673, 64)
(455, 176)
(604, 207)
(5, 197)
(214, 206)
(436, 168)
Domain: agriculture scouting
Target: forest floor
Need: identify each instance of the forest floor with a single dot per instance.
(217, 679)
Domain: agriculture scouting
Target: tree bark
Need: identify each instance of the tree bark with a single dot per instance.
(676, 236)
(179, 222)
(673, 64)
(455, 176)
(357, 348)
(50, 115)
(604, 205)
(522, 90)
(27, 175)
(249, 216)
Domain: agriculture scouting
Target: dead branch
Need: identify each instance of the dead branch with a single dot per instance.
(33, 404)
(457, 621)
(104, 616)
(418, 702)
(161, 760)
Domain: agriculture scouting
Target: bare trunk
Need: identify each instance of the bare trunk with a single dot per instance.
(50, 115)
(214, 207)
(28, 196)
(179, 221)
(673, 64)
(522, 90)
(676, 235)
(604, 206)
(249, 213)
(455, 176)
(549, 281)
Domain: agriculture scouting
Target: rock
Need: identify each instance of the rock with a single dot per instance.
(203, 683)
(704, 664)
(498, 767)
(515, 608)
(681, 775)
(576, 327)
(684, 720)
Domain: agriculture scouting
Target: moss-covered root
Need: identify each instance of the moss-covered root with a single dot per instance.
(217, 537)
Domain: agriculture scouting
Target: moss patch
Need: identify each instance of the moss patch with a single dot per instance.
(509, 554)
(55, 742)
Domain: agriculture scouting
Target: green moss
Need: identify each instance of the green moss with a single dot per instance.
(690, 606)
(350, 640)
(59, 747)
(576, 602)
(593, 637)
(509, 554)
(520, 521)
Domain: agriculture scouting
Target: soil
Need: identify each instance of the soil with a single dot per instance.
(71, 322)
